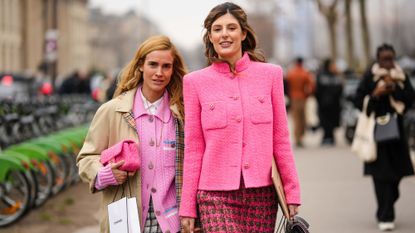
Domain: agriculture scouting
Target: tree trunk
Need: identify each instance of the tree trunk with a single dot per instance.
(333, 39)
(349, 36)
(365, 32)
(330, 13)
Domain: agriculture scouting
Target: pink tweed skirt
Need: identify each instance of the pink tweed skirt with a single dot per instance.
(244, 210)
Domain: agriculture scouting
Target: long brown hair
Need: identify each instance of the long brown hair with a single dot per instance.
(248, 45)
(131, 76)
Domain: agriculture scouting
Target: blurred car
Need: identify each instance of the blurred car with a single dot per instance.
(16, 86)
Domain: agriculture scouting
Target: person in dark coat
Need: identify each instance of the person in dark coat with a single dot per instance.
(77, 83)
(390, 91)
(328, 94)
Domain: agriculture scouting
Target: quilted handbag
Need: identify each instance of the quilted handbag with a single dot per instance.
(126, 150)
(298, 225)
(295, 225)
(386, 128)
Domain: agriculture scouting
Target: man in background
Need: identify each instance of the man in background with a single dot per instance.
(301, 86)
(77, 83)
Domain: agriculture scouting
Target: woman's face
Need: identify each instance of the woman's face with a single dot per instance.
(226, 35)
(386, 59)
(157, 71)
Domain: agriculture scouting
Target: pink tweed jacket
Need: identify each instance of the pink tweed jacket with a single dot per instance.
(235, 123)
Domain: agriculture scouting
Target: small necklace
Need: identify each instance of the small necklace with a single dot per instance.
(157, 142)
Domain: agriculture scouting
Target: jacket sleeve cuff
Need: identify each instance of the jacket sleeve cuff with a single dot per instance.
(187, 210)
(105, 177)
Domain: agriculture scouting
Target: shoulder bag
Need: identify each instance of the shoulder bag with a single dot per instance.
(386, 128)
(286, 225)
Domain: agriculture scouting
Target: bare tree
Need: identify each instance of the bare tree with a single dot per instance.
(331, 15)
(365, 32)
(350, 56)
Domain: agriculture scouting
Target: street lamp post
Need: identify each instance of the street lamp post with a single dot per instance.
(55, 34)
(51, 39)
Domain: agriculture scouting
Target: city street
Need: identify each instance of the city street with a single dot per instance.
(69, 69)
(336, 197)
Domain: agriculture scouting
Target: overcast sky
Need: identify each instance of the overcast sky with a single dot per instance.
(182, 20)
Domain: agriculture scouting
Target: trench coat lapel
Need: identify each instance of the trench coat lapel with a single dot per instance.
(125, 107)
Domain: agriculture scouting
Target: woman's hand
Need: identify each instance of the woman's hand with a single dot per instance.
(188, 225)
(293, 209)
(387, 87)
(383, 89)
(119, 175)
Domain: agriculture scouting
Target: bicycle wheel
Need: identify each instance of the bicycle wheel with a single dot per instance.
(69, 149)
(42, 170)
(43, 177)
(60, 172)
(15, 197)
(59, 162)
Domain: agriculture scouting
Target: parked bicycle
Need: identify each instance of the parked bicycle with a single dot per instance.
(39, 140)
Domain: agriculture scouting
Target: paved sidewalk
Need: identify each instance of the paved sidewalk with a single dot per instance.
(336, 196)
(90, 229)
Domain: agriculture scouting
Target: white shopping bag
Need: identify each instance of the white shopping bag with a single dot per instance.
(364, 144)
(123, 216)
(133, 219)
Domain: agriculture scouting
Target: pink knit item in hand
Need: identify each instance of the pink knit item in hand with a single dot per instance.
(105, 177)
(126, 150)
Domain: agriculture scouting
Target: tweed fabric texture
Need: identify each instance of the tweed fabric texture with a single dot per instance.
(243, 210)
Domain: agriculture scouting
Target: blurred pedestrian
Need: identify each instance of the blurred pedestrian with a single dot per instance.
(301, 84)
(109, 93)
(236, 123)
(286, 94)
(103, 86)
(77, 83)
(329, 90)
(390, 92)
(111, 89)
(147, 109)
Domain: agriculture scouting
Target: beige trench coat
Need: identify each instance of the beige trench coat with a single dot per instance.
(112, 123)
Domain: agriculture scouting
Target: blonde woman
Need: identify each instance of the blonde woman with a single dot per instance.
(147, 108)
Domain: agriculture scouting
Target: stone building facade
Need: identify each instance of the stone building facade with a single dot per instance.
(24, 25)
(114, 39)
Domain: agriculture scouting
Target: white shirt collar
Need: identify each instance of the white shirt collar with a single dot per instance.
(151, 108)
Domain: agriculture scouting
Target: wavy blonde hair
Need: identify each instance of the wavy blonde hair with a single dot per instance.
(131, 76)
